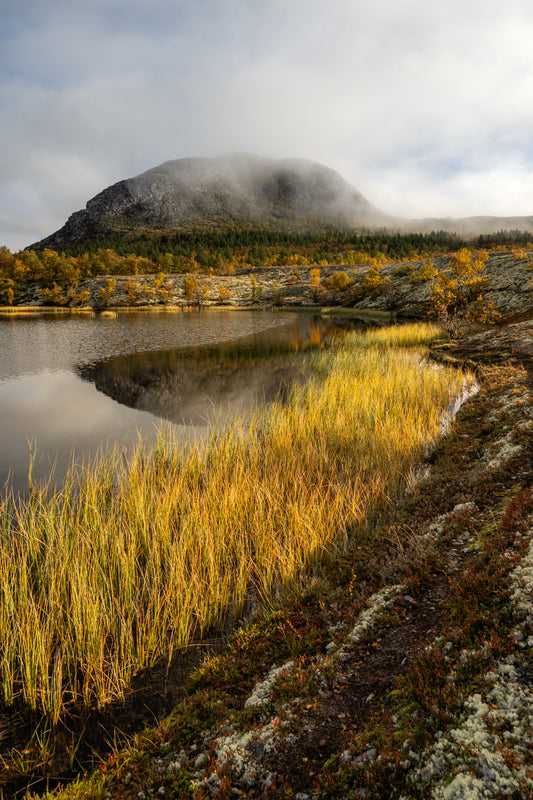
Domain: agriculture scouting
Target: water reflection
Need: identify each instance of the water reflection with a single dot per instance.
(57, 419)
(196, 386)
(71, 387)
(40, 342)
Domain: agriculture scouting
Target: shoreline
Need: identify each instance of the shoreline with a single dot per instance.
(402, 290)
(326, 311)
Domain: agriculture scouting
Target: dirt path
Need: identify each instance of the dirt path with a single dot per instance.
(363, 676)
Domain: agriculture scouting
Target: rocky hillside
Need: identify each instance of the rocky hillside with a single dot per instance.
(244, 191)
(230, 191)
(403, 289)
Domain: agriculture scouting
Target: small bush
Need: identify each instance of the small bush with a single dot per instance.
(402, 271)
(196, 290)
(133, 291)
(256, 290)
(458, 294)
(278, 295)
(53, 296)
(162, 289)
(425, 272)
(374, 282)
(337, 281)
(106, 292)
(224, 294)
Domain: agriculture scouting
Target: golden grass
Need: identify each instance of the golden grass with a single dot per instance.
(13, 311)
(413, 335)
(129, 560)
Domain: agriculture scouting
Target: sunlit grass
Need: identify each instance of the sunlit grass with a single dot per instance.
(413, 335)
(129, 560)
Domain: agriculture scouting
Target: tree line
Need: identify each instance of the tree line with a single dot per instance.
(260, 247)
(57, 277)
(58, 274)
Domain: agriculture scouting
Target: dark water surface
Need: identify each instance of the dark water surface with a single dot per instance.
(70, 386)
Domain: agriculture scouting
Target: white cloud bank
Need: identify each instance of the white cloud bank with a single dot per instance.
(424, 107)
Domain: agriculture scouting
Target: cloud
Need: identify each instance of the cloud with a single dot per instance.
(502, 189)
(421, 106)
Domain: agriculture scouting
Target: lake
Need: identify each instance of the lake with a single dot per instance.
(73, 385)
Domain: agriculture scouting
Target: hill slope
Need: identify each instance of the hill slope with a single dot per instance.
(244, 191)
(229, 191)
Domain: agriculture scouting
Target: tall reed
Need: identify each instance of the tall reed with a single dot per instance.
(131, 558)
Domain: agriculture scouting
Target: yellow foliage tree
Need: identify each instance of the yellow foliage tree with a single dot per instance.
(337, 281)
(314, 279)
(162, 288)
(256, 291)
(374, 283)
(423, 273)
(105, 293)
(224, 294)
(133, 291)
(196, 289)
(53, 295)
(458, 293)
(7, 291)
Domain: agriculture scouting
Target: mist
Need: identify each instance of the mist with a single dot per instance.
(423, 109)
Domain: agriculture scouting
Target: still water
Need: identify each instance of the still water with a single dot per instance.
(71, 386)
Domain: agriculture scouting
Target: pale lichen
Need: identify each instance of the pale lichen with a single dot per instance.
(263, 690)
(489, 754)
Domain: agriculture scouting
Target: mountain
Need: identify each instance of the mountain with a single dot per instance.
(239, 190)
(244, 191)
(466, 226)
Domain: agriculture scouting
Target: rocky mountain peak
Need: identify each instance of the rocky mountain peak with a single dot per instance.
(238, 190)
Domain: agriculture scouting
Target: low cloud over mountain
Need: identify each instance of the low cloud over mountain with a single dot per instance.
(242, 190)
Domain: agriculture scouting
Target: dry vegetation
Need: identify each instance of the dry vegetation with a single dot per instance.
(129, 561)
(402, 669)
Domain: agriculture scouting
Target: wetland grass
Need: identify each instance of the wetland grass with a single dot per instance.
(130, 560)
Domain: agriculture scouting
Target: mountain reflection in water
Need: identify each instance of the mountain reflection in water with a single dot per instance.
(196, 386)
(73, 387)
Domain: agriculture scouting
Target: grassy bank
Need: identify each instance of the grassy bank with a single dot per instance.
(401, 671)
(129, 561)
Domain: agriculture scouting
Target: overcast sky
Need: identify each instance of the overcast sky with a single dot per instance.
(425, 107)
